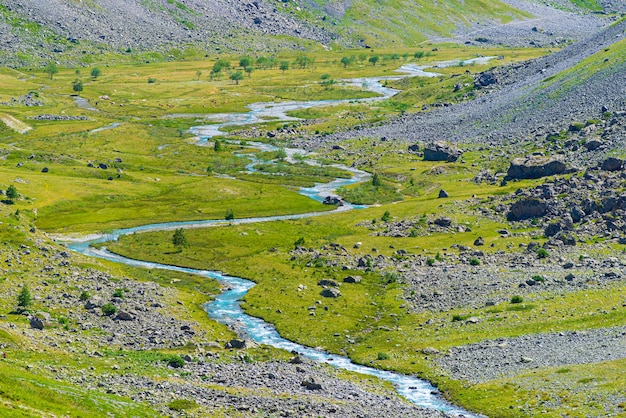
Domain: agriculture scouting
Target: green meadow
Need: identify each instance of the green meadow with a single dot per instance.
(149, 168)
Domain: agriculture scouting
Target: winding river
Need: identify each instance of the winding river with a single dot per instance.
(225, 308)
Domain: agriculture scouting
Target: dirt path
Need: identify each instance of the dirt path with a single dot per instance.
(15, 124)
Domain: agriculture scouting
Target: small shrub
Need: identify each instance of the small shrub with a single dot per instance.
(386, 216)
(299, 242)
(109, 309)
(182, 404)
(430, 261)
(118, 293)
(517, 299)
(230, 215)
(539, 279)
(383, 356)
(439, 257)
(474, 261)
(84, 295)
(175, 361)
(151, 80)
(542, 253)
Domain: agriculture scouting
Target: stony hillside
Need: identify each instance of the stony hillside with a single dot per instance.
(50, 28)
(537, 97)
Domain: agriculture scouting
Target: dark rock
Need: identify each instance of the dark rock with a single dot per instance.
(479, 241)
(534, 167)
(330, 292)
(124, 316)
(485, 79)
(443, 194)
(577, 214)
(443, 221)
(37, 323)
(235, 343)
(552, 229)
(45, 170)
(612, 164)
(328, 282)
(593, 145)
(441, 151)
(311, 384)
(352, 279)
(526, 209)
(296, 360)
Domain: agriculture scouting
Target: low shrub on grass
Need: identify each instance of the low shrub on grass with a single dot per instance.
(517, 299)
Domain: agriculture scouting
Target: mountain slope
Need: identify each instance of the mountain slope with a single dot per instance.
(48, 28)
(531, 98)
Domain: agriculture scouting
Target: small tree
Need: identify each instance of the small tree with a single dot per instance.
(24, 299)
(376, 180)
(96, 72)
(51, 69)
(281, 154)
(373, 60)
(236, 76)
(217, 145)
(230, 215)
(198, 74)
(11, 192)
(245, 62)
(284, 66)
(249, 70)
(346, 61)
(179, 239)
(77, 85)
(386, 216)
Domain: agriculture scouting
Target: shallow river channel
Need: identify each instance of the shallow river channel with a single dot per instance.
(225, 308)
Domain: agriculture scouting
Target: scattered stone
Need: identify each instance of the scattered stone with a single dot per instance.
(328, 282)
(236, 343)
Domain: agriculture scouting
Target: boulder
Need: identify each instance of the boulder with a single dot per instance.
(479, 241)
(331, 292)
(443, 194)
(443, 221)
(441, 151)
(235, 343)
(124, 316)
(37, 323)
(526, 209)
(612, 164)
(485, 79)
(311, 384)
(534, 167)
(352, 279)
(328, 282)
(593, 145)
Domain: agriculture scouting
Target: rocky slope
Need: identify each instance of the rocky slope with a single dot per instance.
(51, 27)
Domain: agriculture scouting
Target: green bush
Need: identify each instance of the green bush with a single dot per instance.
(430, 261)
(109, 309)
(383, 356)
(84, 295)
(474, 261)
(539, 279)
(118, 293)
(182, 404)
(517, 299)
(175, 361)
(542, 253)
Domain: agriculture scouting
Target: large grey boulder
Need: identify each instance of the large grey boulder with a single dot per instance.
(526, 209)
(441, 151)
(534, 167)
(612, 164)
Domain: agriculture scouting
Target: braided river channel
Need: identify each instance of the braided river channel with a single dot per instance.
(226, 308)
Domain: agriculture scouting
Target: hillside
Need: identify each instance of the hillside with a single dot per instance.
(69, 30)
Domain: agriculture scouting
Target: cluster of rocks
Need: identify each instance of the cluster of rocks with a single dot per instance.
(466, 276)
(414, 227)
(591, 205)
(58, 117)
(252, 388)
(28, 100)
(505, 357)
